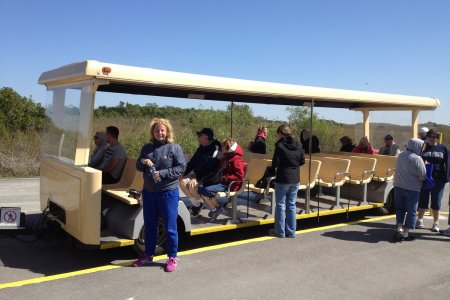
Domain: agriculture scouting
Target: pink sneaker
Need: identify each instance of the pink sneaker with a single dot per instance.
(143, 259)
(171, 264)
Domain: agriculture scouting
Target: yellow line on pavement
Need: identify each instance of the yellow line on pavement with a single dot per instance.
(183, 253)
(57, 276)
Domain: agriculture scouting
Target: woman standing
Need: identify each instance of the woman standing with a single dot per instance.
(436, 154)
(287, 159)
(162, 162)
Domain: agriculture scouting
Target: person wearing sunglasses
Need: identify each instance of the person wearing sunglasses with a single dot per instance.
(99, 151)
(437, 155)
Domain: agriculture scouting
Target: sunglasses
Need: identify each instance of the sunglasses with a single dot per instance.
(433, 136)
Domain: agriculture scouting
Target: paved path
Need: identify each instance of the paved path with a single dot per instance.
(23, 192)
(356, 260)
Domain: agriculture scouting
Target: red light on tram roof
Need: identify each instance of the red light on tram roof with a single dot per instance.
(106, 70)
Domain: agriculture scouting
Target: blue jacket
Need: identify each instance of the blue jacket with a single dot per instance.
(169, 162)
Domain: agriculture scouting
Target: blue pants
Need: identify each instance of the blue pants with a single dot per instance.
(164, 204)
(285, 209)
(406, 202)
(210, 191)
(436, 196)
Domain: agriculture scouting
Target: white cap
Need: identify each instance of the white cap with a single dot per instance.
(423, 130)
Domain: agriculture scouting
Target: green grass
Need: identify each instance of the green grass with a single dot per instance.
(19, 152)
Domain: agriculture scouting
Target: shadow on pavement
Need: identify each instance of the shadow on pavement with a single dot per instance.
(50, 254)
(381, 232)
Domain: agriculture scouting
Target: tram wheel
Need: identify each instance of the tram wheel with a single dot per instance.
(390, 203)
(139, 243)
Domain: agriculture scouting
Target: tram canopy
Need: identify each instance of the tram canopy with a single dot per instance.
(146, 81)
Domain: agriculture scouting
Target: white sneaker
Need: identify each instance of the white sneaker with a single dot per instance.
(435, 227)
(419, 223)
(446, 232)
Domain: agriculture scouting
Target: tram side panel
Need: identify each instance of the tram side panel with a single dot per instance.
(73, 195)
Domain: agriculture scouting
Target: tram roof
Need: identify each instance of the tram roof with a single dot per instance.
(147, 81)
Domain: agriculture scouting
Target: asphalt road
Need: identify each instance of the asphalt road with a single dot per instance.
(335, 259)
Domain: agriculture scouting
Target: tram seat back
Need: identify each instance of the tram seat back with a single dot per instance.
(250, 155)
(333, 171)
(256, 169)
(131, 179)
(127, 177)
(385, 168)
(305, 179)
(361, 169)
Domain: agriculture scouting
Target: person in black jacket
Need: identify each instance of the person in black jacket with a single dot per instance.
(305, 135)
(259, 143)
(347, 144)
(205, 160)
(287, 159)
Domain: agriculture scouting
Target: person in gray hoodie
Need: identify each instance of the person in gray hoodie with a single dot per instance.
(409, 174)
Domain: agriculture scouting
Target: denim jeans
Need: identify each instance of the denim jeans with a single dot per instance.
(436, 196)
(210, 191)
(406, 202)
(285, 209)
(164, 204)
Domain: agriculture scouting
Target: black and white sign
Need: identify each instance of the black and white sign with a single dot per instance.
(10, 216)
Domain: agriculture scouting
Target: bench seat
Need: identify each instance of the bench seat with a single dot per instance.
(332, 174)
(131, 179)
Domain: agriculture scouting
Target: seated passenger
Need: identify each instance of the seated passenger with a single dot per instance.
(115, 157)
(390, 147)
(363, 146)
(347, 144)
(205, 160)
(304, 139)
(258, 145)
(99, 151)
(231, 168)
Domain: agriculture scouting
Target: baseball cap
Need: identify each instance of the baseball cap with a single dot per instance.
(206, 131)
(423, 130)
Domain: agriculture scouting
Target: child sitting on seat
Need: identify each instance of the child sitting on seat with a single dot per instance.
(231, 168)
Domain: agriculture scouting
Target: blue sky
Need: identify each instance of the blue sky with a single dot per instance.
(393, 46)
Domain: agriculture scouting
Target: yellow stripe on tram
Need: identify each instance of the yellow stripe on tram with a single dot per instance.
(218, 228)
(114, 244)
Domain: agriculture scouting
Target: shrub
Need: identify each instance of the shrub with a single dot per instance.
(19, 113)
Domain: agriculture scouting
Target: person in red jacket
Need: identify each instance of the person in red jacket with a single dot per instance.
(231, 168)
(363, 146)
